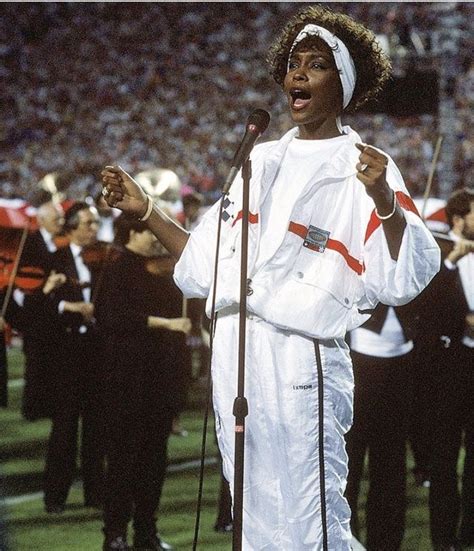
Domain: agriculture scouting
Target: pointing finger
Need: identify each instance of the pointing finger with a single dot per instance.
(368, 151)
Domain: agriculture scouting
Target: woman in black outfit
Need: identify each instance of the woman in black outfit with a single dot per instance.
(138, 312)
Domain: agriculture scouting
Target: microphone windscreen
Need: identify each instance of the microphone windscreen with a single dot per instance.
(259, 118)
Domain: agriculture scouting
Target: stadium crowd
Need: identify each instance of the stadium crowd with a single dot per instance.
(134, 82)
(170, 85)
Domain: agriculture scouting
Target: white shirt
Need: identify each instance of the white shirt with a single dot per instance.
(48, 239)
(84, 277)
(82, 271)
(106, 229)
(301, 161)
(389, 343)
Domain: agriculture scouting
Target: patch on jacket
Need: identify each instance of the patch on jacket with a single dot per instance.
(316, 239)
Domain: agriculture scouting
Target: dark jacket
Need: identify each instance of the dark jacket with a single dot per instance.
(143, 366)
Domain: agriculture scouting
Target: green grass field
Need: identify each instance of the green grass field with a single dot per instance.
(22, 451)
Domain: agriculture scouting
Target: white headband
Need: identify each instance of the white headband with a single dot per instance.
(342, 57)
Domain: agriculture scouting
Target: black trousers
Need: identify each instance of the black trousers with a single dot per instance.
(423, 410)
(381, 411)
(136, 451)
(78, 399)
(41, 380)
(452, 511)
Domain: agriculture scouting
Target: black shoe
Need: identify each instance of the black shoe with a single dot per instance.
(118, 543)
(54, 508)
(151, 542)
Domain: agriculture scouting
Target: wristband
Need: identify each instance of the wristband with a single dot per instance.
(149, 208)
(394, 208)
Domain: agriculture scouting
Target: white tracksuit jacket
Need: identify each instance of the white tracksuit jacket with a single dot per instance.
(324, 274)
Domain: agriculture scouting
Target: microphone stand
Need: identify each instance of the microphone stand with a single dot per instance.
(240, 409)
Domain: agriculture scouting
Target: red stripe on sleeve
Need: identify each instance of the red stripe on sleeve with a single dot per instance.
(352, 262)
(404, 200)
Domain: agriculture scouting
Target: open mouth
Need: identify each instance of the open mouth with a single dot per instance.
(299, 98)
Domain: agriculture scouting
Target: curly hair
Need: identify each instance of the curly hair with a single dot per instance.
(123, 226)
(459, 204)
(373, 67)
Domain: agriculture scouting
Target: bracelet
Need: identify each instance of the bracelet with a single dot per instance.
(391, 213)
(149, 208)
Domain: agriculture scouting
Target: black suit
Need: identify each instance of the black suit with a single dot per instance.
(452, 366)
(36, 252)
(77, 394)
(40, 371)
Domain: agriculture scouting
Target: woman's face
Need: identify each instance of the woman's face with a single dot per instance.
(314, 91)
(145, 243)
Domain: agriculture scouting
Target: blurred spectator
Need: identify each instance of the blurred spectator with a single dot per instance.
(192, 202)
(79, 87)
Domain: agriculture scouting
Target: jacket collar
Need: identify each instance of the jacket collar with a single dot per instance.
(338, 167)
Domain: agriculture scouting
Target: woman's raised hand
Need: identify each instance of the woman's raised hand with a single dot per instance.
(121, 191)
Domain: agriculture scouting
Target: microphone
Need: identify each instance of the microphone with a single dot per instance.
(256, 125)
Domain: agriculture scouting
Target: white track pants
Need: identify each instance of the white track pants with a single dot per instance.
(293, 487)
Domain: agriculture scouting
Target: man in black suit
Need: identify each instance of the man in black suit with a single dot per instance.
(78, 390)
(382, 355)
(448, 329)
(41, 244)
(39, 369)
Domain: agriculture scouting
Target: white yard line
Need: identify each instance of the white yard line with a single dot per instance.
(174, 468)
(16, 383)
